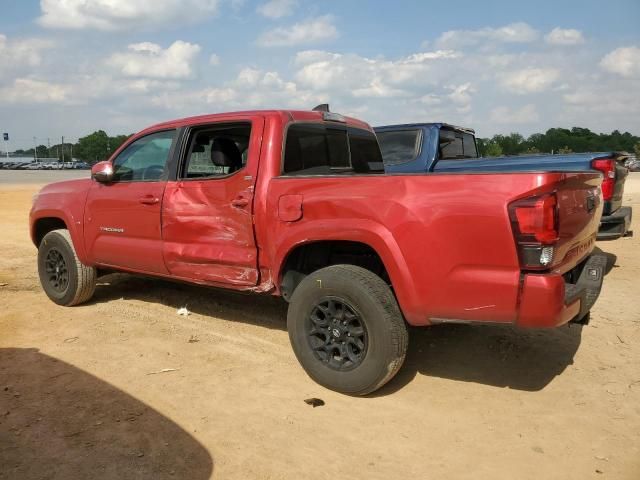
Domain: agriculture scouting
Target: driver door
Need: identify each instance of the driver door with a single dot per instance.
(122, 218)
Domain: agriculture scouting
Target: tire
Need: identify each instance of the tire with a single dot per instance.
(346, 329)
(64, 279)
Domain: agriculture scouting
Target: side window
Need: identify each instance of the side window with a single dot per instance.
(469, 145)
(217, 151)
(452, 148)
(145, 160)
(400, 146)
(456, 144)
(317, 149)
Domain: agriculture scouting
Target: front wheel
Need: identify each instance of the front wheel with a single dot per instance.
(64, 279)
(346, 329)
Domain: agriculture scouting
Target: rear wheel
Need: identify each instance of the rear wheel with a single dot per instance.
(346, 329)
(65, 279)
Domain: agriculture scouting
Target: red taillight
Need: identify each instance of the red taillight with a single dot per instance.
(608, 168)
(534, 221)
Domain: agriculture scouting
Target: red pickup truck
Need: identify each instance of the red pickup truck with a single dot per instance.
(293, 203)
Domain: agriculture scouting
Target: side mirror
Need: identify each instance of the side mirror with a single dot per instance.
(102, 172)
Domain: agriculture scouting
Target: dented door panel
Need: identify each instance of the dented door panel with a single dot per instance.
(207, 224)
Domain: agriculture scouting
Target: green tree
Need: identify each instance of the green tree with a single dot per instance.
(492, 149)
(97, 146)
(93, 148)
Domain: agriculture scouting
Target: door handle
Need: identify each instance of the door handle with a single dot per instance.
(149, 200)
(240, 202)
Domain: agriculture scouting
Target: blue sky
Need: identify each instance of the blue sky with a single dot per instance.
(68, 68)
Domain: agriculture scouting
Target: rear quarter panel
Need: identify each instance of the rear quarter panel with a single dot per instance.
(445, 240)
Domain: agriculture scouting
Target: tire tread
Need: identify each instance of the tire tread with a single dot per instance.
(86, 275)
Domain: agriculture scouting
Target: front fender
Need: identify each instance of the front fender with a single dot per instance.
(64, 201)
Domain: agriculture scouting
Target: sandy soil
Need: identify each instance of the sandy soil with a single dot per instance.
(79, 396)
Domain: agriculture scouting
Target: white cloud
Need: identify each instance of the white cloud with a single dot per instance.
(320, 29)
(28, 91)
(518, 116)
(277, 8)
(378, 88)
(624, 61)
(519, 32)
(252, 88)
(369, 77)
(214, 60)
(461, 94)
(21, 53)
(529, 80)
(564, 36)
(122, 14)
(602, 99)
(152, 61)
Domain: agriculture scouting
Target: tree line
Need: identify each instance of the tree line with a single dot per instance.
(559, 140)
(99, 146)
(92, 148)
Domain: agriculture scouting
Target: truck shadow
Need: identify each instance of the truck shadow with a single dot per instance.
(260, 310)
(501, 356)
(57, 421)
(497, 355)
(611, 259)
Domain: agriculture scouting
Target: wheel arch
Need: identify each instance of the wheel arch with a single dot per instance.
(44, 225)
(45, 221)
(370, 240)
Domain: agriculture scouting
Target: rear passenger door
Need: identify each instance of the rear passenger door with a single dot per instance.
(207, 212)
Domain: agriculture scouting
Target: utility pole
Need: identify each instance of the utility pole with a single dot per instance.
(62, 146)
(48, 147)
(6, 143)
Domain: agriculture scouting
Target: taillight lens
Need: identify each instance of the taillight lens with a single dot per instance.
(608, 168)
(535, 227)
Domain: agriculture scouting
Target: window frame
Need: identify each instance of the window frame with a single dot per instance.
(168, 162)
(185, 149)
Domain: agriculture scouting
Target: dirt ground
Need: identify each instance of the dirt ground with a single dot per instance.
(83, 393)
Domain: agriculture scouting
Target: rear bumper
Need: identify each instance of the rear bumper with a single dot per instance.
(615, 225)
(549, 300)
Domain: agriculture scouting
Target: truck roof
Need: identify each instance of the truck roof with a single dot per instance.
(293, 115)
(421, 125)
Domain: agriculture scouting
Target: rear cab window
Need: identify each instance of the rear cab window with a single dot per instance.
(326, 149)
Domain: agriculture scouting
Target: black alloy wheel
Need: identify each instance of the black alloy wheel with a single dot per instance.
(337, 334)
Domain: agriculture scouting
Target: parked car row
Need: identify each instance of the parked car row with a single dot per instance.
(44, 166)
(632, 163)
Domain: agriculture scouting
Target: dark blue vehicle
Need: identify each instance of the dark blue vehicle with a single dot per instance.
(440, 147)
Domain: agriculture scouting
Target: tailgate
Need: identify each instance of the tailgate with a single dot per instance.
(579, 211)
